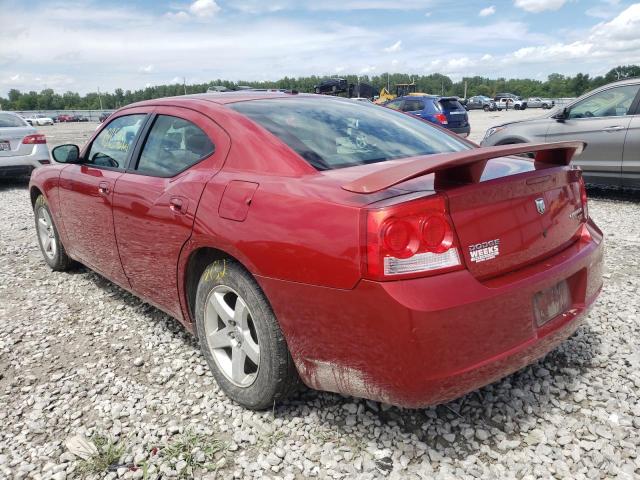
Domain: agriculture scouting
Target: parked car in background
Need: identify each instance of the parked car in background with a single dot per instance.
(500, 96)
(480, 102)
(607, 118)
(444, 111)
(537, 102)
(39, 119)
(64, 118)
(332, 85)
(103, 116)
(317, 239)
(22, 148)
(81, 118)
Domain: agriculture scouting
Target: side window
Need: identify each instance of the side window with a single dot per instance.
(614, 102)
(412, 105)
(173, 145)
(395, 105)
(111, 147)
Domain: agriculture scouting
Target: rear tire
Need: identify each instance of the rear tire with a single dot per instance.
(241, 339)
(516, 107)
(48, 238)
(486, 108)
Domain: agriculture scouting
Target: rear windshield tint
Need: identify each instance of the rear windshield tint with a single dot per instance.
(335, 133)
(450, 105)
(8, 120)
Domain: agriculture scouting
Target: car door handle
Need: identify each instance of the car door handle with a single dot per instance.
(615, 128)
(178, 205)
(103, 188)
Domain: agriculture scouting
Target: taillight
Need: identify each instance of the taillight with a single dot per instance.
(583, 199)
(442, 118)
(36, 139)
(409, 240)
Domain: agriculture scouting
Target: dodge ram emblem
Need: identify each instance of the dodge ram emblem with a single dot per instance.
(540, 205)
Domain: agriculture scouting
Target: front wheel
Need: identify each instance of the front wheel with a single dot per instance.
(241, 338)
(48, 238)
(486, 108)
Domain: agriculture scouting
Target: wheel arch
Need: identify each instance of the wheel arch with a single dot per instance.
(34, 193)
(194, 266)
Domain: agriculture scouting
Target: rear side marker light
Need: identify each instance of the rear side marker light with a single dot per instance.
(410, 239)
(37, 139)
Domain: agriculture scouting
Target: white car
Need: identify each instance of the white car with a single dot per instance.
(22, 148)
(537, 102)
(39, 119)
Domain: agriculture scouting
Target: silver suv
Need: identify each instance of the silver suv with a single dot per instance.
(607, 118)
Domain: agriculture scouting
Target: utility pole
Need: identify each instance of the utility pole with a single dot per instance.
(465, 89)
(184, 84)
(100, 98)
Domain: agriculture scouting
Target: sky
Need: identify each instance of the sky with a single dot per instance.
(85, 45)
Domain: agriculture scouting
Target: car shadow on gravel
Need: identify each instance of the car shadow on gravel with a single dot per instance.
(13, 183)
(491, 416)
(612, 193)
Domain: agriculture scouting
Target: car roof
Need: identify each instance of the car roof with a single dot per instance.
(221, 98)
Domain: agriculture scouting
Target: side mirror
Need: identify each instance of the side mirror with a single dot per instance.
(66, 153)
(562, 115)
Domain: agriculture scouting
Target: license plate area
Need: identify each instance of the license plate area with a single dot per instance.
(5, 146)
(551, 302)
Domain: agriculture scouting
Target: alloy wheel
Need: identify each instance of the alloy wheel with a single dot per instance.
(47, 234)
(232, 336)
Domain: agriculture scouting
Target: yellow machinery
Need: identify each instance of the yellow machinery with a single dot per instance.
(402, 89)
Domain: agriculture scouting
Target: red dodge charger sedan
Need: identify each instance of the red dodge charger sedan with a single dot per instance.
(316, 239)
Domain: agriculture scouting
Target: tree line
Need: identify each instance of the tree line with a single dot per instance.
(555, 86)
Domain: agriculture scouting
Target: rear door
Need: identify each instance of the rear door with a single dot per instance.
(601, 120)
(414, 106)
(155, 201)
(86, 195)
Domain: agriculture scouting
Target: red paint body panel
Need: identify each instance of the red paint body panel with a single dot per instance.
(408, 342)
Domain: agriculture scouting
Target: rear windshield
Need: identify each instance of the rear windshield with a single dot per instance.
(449, 105)
(8, 120)
(335, 133)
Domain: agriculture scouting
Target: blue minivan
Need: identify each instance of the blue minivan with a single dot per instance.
(447, 112)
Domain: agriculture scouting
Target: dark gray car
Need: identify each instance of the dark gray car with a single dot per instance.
(607, 118)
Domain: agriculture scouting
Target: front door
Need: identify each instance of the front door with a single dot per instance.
(155, 201)
(86, 196)
(601, 120)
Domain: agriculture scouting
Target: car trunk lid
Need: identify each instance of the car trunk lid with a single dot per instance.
(506, 224)
(503, 221)
(13, 136)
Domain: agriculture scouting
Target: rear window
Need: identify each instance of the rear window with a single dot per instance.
(334, 133)
(449, 105)
(8, 120)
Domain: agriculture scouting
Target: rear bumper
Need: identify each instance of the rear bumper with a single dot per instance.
(425, 341)
(464, 131)
(22, 165)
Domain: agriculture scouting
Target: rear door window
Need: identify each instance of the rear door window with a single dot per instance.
(394, 105)
(172, 146)
(111, 147)
(413, 105)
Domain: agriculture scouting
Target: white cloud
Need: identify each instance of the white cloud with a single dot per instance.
(146, 69)
(180, 16)
(537, 6)
(204, 8)
(396, 47)
(485, 12)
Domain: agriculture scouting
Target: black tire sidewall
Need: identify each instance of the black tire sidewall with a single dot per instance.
(265, 389)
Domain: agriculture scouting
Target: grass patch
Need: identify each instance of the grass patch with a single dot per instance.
(182, 448)
(109, 452)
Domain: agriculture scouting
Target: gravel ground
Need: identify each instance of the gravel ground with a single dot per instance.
(81, 358)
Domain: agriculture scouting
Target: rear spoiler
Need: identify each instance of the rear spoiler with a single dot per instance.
(466, 166)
